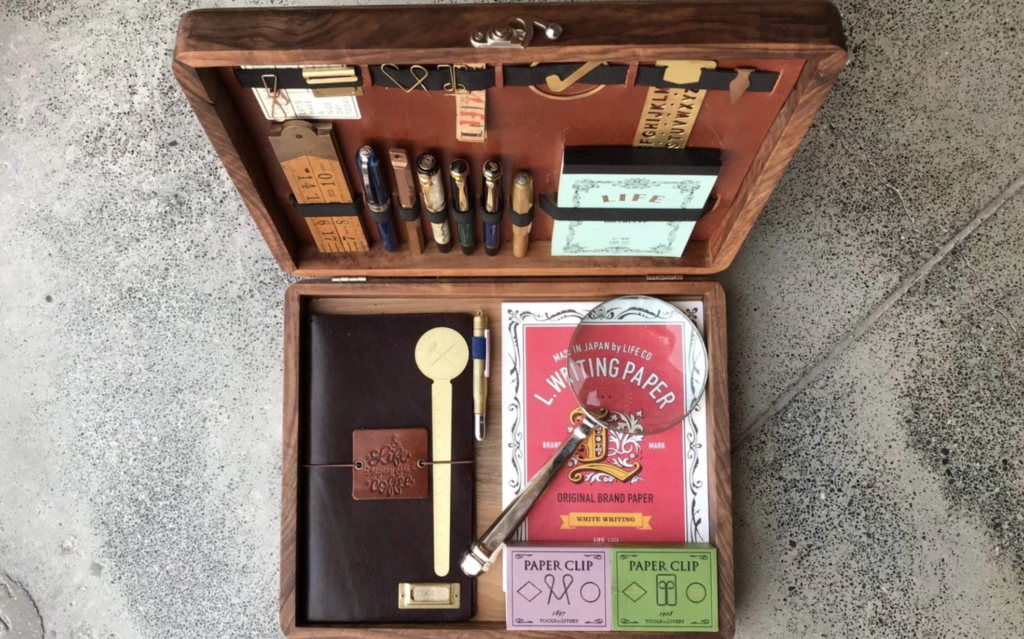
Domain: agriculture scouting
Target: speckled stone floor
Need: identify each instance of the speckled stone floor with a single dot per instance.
(878, 467)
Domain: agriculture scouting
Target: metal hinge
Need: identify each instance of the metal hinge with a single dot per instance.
(348, 279)
(666, 278)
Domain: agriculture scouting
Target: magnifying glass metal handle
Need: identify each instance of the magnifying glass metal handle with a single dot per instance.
(484, 551)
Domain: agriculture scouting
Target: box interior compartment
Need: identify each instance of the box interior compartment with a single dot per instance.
(460, 297)
(801, 42)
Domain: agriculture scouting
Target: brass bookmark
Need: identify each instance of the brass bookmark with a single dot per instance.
(441, 355)
(668, 115)
(557, 86)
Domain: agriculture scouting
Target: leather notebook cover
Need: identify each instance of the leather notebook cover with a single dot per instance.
(359, 372)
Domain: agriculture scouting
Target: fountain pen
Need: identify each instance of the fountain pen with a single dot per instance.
(492, 204)
(377, 196)
(463, 205)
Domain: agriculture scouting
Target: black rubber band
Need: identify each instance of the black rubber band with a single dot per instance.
(382, 217)
(463, 217)
(288, 78)
(437, 217)
(710, 80)
(521, 219)
(338, 209)
(471, 79)
(490, 218)
(535, 76)
(410, 215)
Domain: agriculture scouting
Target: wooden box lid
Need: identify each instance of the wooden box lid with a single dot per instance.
(800, 41)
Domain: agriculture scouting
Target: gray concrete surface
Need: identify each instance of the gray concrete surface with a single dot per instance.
(878, 486)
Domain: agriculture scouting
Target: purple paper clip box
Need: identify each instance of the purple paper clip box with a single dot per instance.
(557, 587)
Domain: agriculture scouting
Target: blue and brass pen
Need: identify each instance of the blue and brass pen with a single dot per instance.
(377, 196)
(463, 205)
(492, 204)
(481, 374)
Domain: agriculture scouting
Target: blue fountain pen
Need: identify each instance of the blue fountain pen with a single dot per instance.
(377, 196)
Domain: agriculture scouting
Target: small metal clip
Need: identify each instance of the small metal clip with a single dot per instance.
(342, 74)
(683, 71)
(278, 98)
(453, 87)
(514, 32)
(420, 79)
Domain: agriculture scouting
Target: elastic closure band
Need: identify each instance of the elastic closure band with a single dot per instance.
(436, 80)
(360, 465)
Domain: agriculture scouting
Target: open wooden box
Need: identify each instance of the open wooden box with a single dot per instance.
(801, 42)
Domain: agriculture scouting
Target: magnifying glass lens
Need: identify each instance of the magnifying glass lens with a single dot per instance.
(637, 364)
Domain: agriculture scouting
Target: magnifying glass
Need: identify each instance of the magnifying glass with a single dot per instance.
(635, 364)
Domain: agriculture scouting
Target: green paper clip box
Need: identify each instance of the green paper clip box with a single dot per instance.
(664, 588)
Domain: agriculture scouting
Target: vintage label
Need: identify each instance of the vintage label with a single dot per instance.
(557, 587)
(665, 589)
(471, 114)
(301, 103)
(388, 463)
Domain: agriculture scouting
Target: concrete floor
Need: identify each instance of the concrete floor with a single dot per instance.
(875, 337)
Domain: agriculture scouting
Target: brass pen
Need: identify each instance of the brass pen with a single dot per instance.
(481, 373)
(522, 213)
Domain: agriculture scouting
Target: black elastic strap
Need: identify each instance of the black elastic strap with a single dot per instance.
(535, 76)
(710, 80)
(437, 79)
(290, 78)
(547, 202)
(463, 217)
(382, 217)
(521, 219)
(437, 217)
(337, 209)
(409, 215)
(490, 218)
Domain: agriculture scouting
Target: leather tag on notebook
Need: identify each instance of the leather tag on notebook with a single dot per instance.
(389, 463)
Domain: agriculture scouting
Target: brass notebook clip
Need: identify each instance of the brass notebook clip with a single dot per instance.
(683, 71)
(557, 84)
(339, 74)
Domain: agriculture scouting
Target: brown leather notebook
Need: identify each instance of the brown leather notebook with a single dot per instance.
(359, 372)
